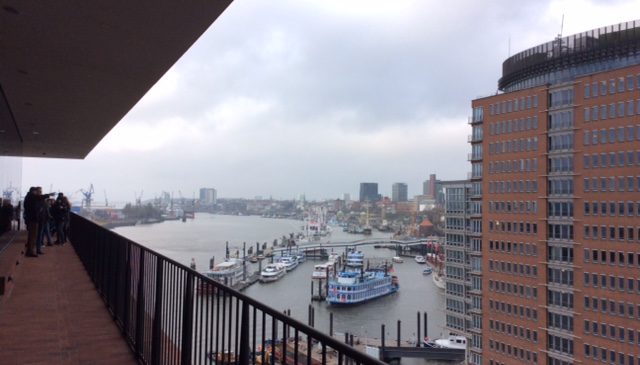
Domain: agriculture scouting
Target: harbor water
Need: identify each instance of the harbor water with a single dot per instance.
(205, 237)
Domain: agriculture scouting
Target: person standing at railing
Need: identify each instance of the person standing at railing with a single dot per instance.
(61, 216)
(32, 202)
(44, 216)
(67, 217)
(6, 216)
(31, 221)
(16, 215)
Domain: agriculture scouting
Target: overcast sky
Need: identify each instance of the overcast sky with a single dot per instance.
(287, 97)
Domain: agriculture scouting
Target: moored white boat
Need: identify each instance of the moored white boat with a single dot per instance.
(420, 259)
(427, 271)
(320, 271)
(272, 272)
(397, 259)
(290, 262)
(300, 255)
(335, 257)
(452, 342)
(229, 272)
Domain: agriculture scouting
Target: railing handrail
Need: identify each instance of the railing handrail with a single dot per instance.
(289, 321)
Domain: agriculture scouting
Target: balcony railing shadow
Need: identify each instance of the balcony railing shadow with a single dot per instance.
(170, 314)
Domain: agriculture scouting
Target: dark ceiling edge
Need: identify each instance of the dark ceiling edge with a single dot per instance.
(5, 103)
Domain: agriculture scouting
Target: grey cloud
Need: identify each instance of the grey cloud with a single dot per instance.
(290, 97)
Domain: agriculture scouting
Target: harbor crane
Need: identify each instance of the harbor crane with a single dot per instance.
(106, 200)
(138, 197)
(88, 197)
(8, 192)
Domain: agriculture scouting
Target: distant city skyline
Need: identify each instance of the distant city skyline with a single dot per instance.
(287, 98)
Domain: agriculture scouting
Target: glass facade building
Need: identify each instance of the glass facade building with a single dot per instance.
(463, 275)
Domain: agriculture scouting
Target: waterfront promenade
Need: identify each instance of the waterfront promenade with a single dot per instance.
(52, 314)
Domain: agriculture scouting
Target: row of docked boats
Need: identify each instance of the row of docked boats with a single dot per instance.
(232, 271)
(353, 285)
(283, 264)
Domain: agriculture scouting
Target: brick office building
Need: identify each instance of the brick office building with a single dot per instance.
(556, 164)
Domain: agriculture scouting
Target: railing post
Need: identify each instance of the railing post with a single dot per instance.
(140, 309)
(244, 335)
(156, 344)
(127, 289)
(187, 319)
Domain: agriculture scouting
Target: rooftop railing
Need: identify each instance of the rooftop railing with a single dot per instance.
(604, 42)
(170, 314)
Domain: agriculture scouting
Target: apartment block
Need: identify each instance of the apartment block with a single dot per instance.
(463, 275)
(399, 192)
(556, 160)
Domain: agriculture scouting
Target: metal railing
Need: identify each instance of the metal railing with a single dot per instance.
(170, 314)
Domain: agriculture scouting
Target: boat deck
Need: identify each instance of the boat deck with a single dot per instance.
(51, 313)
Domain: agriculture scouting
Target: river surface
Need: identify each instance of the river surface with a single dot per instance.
(206, 235)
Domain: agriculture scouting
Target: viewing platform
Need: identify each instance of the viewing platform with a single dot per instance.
(105, 299)
(51, 313)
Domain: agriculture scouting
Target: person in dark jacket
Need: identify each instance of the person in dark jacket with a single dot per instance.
(16, 215)
(33, 202)
(31, 221)
(60, 212)
(44, 216)
(6, 216)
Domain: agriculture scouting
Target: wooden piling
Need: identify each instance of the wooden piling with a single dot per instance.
(426, 331)
(418, 333)
(331, 324)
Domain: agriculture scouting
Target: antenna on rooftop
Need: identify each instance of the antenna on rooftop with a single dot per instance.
(561, 26)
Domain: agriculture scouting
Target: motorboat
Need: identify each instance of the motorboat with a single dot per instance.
(289, 262)
(452, 342)
(420, 260)
(301, 256)
(272, 272)
(229, 272)
(320, 271)
(397, 259)
(335, 257)
(427, 271)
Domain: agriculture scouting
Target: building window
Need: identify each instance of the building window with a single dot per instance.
(621, 84)
(612, 86)
(621, 109)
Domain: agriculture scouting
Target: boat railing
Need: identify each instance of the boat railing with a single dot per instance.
(170, 314)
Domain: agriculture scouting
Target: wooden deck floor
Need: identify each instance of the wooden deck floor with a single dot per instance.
(52, 313)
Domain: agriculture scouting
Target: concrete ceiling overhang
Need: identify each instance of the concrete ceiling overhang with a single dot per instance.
(71, 69)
